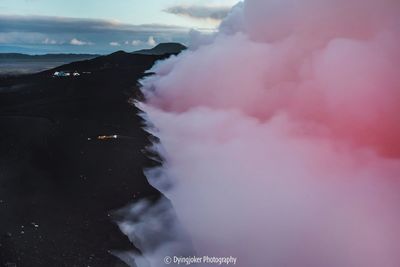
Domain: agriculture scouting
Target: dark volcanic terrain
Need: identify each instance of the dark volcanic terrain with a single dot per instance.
(60, 180)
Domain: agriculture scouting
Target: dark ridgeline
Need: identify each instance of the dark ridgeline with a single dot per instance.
(162, 49)
(59, 182)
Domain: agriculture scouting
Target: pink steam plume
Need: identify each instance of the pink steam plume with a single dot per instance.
(281, 136)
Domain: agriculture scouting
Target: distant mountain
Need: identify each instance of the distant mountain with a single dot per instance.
(46, 57)
(162, 49)
(16, 63)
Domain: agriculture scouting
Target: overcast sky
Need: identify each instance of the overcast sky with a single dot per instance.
(93, 26)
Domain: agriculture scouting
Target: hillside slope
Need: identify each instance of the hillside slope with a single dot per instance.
(61, 182)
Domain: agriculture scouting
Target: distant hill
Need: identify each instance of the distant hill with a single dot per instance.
(46, 57)
(16, 63)
(162, 49)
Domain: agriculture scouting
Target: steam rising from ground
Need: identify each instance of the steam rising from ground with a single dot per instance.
(281, 136)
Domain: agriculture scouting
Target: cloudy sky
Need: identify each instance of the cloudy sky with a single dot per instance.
(92, 26)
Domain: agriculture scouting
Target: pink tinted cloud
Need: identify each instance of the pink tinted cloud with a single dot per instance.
(280, 135)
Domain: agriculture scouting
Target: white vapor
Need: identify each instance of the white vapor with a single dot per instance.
(75, 41)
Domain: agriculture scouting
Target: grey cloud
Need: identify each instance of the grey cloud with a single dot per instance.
(61, 24)
(79, 35)
(200, 12)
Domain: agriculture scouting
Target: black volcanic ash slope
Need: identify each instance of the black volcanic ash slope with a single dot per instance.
(58, 181)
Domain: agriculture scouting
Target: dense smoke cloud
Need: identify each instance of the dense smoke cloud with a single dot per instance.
(280, 135)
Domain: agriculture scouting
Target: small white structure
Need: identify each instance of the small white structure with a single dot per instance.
(68, 74)
(61, 74)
